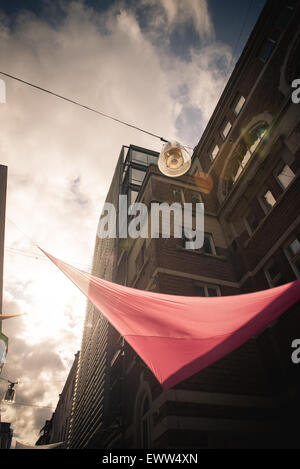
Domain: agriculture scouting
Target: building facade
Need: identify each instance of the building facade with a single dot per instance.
(56, 429)
(245, 170)
(5, 430)
(6, 434)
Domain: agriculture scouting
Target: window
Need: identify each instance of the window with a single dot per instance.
(252, 222)
(268, 201)
(208, 244)
(207, 290)
(238, 103)
(273, 274)
(143, 158)
(285, 176)
(284, 18)
(137, 176)
(225, 129)
(267, 50)
(214, 152)
(139, 157)
(292, 251)
(133, 196)
(294, 247)
(178, 195)
(244, 152)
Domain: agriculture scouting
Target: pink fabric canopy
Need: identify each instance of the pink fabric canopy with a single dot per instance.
(177, 336)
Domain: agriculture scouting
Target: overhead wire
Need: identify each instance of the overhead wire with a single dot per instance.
(31, 254)
(108, 116)
(27, 405)
(88, 108)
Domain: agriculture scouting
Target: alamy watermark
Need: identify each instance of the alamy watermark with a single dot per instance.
(164, 221)
(2, 91)
(296, 93)
(296, 353)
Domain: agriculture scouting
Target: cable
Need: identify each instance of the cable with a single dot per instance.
(27, 254)
(21, 231)
(82, 105)
(28, 405)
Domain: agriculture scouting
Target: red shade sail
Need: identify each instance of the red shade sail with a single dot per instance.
(177, 336)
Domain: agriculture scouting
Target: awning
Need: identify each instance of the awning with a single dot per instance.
(177, 336)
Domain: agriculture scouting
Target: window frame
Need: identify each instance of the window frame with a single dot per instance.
(272, 282)
(264, 47)
(248, 227)
(262, 200)
(279, 170)
(212, 149)
(243, 149)
(292, 258)
(235, 103)
(206, 286)
(222, 128)
(201, 250)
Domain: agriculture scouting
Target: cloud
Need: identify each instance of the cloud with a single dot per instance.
(168, 15)
(61, 158)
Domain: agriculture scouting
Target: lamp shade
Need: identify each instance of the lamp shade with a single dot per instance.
(174, 160)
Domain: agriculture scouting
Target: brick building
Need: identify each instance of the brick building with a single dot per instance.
(249, 154)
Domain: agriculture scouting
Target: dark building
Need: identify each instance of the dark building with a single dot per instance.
(5, 430)
(6, 434)
(3, 187)
(245, 170)
(45, 433)
(56, 429)
(62, 414)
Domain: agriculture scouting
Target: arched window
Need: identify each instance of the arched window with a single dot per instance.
(244, 152)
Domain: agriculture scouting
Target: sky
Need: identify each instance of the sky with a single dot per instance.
(158, 64)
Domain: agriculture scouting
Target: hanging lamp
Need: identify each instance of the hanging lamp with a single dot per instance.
(174, 160)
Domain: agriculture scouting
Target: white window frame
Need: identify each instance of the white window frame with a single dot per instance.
(206, 286)
(212, 157)
(279, 169)
(262, 203)
(236, 102)
(222, 128)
